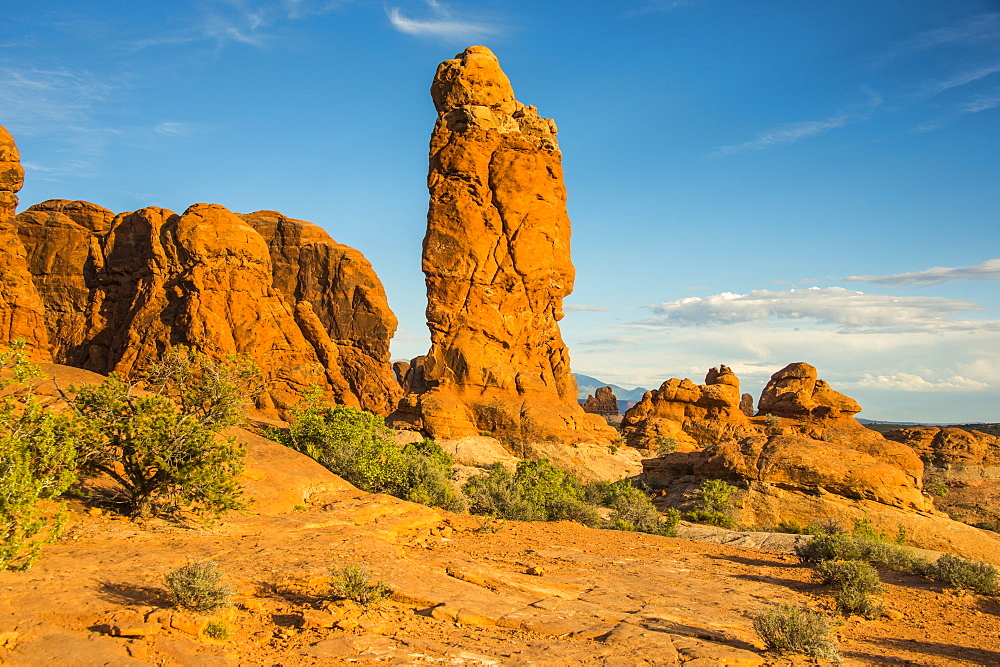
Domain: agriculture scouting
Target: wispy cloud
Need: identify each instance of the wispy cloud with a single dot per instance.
(582, 307)
(175, 129)
(441, 23)
(782, 134)
(966, 76)
(851, 311)
(988, 270)
(658, 6)
(971, 31)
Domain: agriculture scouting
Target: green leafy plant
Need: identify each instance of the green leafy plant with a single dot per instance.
(359, 447)
(968, 575)
(876, 551)
(353, 582)
(162, 447)
(37, 463)
(632, 508)
(198, 586)
(788, 629)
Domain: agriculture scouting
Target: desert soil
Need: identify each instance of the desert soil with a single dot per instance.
(463, 595)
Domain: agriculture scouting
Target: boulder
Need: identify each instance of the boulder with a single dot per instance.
(795, 392)
(496, 258)
(11, 174)
(707, 413)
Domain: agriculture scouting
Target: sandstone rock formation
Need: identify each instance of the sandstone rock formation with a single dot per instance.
(497, 263)
(687, 412)
(794, 392)
(603, 402)
(119, 290)
(961, 470)
(22, 314)
(804, 457)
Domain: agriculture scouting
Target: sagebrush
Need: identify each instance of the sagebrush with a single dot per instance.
(198, 586)
(353, 582)
(788, 629)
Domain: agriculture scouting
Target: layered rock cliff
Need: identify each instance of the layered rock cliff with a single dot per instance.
(108, 292)
(496, 258)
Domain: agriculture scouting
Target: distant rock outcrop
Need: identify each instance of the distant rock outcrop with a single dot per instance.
(496, 258)
(22, 314)
(687, 412)
(603, 402)
(804, 457)
(118, 290)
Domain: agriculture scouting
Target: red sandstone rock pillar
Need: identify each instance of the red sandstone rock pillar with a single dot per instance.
(496, 258)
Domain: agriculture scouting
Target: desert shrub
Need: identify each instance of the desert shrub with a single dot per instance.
(198, 586)
(632, 508)
(665, 445)
(714, 495)
(788, 629)
(359, 447)
(841, 546)
(536, 491)
(541, 491)
(713, 501)
(771, 421)
(353, 582)
(989, 525)
(790, 526)
(965, 574)
(218, 630)
(856, 582)
(851, 601)
(37, 462)
(163, 448)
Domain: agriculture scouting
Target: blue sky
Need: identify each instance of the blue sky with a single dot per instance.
(750, 183)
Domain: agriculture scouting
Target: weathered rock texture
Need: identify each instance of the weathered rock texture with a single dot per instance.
(961, 470)
(603, 402)
(804, 457)
(689, 413)
(496, 258)
(118, 290)
(22, 314)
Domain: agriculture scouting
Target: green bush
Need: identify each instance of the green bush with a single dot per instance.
(856, 581)
(37, 462)
(788, 629)
(359, 447)
(541, 491)
(771, 421)
(352, 582)
(198, 586)
(163, 448)
(714, 500)
(841, 546)
(969, 575)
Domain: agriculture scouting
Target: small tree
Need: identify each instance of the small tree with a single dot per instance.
(162, 447)
(37, 462)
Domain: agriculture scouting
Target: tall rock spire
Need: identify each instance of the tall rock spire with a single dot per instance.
(496, 258)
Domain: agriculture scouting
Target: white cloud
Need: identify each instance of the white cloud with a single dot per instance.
(965, 77)
(912, 382)
(582, 307)
(656, 6)
(441, 24)
(970, 31)
(851, 311)
(988, 270)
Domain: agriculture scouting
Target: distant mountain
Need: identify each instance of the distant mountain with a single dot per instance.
(587, 385)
